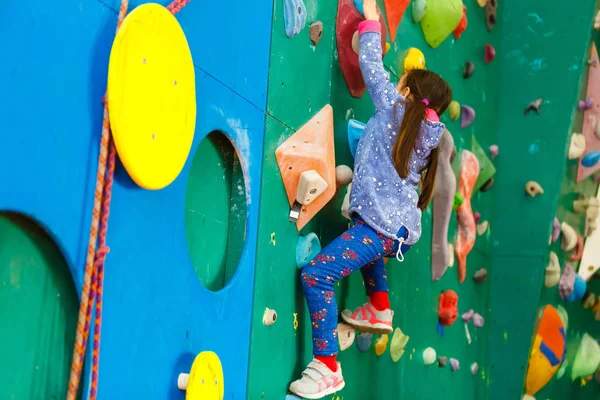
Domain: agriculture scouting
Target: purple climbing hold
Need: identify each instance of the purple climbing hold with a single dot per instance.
(478, 320)
(555, 230)
(477, 216)
(590, 159)
(586, 104)
(567, 282)
(494, 151)
(467, 116)
(454, 364)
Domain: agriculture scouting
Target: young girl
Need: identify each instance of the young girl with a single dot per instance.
(395, 167)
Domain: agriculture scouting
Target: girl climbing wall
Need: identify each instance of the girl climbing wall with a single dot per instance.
(396, 159)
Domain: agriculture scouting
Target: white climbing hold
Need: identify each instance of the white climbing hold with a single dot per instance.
(527, 397)
(474, 368)
(450, 255)
(569, 237)
(343, 175)
(429, 356)
(346, 203)
(577, 147)
(533, 188)
(346, 335)
(269, 317)
(552, 271)
(482, 228)
(454, 364)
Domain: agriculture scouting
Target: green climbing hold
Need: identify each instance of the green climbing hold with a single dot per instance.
(440, 20)
(399, 341)
(458, 200)
(587, 359)
(486, 167)
(564, 316)
(454, 110)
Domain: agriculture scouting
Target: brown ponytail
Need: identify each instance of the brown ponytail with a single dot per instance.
(423, 84)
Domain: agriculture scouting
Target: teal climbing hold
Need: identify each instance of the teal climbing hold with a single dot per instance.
(359, 6)
(363, 342)
(590, 159)
(579, 288)
(307, 248)
(355, 130)
(294, 13)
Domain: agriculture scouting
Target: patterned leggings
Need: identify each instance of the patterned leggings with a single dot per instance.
(360, 247)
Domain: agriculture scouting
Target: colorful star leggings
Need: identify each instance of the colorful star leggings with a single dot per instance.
(360, 247)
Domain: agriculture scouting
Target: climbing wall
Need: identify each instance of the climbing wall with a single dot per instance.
(531, 53)
(304, 78)
(158, 314)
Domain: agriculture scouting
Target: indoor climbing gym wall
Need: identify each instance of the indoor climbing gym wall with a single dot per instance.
(173, 152)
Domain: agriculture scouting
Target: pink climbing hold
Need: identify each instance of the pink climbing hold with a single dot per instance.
(468, 316)
(494, 151)
(454, 364)
(477, 216)
(478, 320)
(567, 282)
(489, 54)
(467, 116)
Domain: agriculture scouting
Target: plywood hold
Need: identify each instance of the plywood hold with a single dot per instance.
(310, 148)
(591, 117)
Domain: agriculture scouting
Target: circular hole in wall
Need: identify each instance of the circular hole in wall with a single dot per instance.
(215, 211)
(38, 305)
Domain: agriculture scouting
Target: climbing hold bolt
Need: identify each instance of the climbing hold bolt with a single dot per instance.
(469, 69)
(454, 110)
(474, 368)
(398, 345)
(346, 335)
(419, 9)
(533, 188)
(552, 271)
(454, 364)
(590, 159)
(577, 146)
(489, 54)
(535, 105)
(487, 185)
(480, 275)
(442, 361)
(569, 237)
(491, 8)
(363, 341)
(343, 175)
(468, 115)
(494, 150)
(482, 228)
(586, 104)
(578, 251)
(315, 32)
(269, 317)
(478, 320)
(429, 356)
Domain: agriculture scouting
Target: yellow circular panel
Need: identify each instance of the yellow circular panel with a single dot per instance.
(152, 96)
(206, 378)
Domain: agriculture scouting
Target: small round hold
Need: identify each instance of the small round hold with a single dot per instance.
(346, 335)
(454, 364)
(315, 32)
(429, 356)
(480, 275)
(269, 317)
(494, 150)
(533, 188)
(474, 368)
(343, 175)
(578, 251)
(478, 320)
(182, 381)
(487, 185)
(468, 316)
(469, 69)
(388, 47)
(454, 110)
(355, 42)
(442, 361)
(586, 104)
(489, 54)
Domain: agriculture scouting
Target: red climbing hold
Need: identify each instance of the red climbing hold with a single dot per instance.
(462, 25)
(489, 54)
(448, 308)
(394, 9)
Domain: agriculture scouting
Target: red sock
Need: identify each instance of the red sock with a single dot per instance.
(330, 361)
(380, 300)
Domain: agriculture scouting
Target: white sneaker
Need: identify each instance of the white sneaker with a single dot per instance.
(318, 381)
(368, 319)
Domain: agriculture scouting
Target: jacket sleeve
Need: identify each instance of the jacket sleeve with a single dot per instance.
(382, 91)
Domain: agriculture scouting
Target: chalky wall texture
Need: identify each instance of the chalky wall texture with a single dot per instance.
(158, 314)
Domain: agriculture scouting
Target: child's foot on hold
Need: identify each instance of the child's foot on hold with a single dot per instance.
(368, 319)
(318, 381)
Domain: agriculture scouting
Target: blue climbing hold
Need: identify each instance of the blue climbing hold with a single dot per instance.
(294, 13)
(579, 289)
(359, 6)
(363, 342)
(292, 397)
(590, 159)
(355, 130)
(307, 248)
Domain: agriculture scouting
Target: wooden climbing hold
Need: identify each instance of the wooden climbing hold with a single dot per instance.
(346, 335)
(315, 32)
(398, 345)
(480, 275)
(381, 345)
(577, 146)
(448, 308)
(569, 237)
(269, 317)
(468, 115)
(552, 271)
(491, 9)
(356, 43)
(535, 105)
(489, 54)
(578, 251)
(429, 356)
(533, 189)
(294, 14)
(469, 70)
(481, 3)
(454, 110)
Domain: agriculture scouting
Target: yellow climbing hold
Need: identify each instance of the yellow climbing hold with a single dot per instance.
(381, 345)
(387, 47)
(152, 96)
(295, 321)
(454, 110)
(414, 60)
(482, 3)
(206, 380)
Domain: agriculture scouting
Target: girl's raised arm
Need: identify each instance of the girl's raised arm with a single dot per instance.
(382, 91)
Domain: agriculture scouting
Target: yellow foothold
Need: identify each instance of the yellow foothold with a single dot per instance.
(295, 321)
(454, 110)
(387, 47)
(381, 345)
(206, 381)
(414, 60)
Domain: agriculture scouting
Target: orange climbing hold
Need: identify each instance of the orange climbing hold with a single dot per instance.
(448, 308)
(469, 171)
(462, 25)
(394, 10)
(310, 148)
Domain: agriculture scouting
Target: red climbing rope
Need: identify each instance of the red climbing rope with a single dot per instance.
(93, 279)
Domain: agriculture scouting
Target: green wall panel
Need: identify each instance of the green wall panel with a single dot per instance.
(39, 306)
